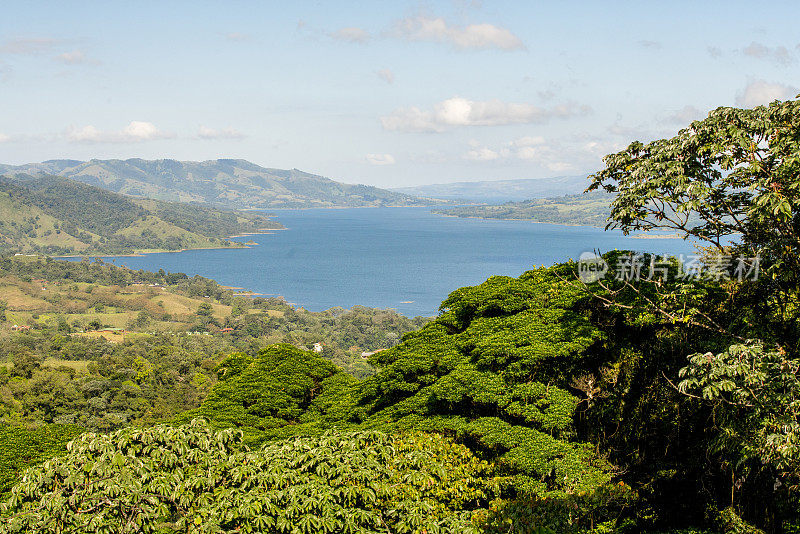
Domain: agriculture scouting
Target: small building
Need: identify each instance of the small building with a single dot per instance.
(226, 330)
(21, 327)
(318, 347)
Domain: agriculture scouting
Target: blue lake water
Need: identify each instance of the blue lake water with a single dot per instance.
(403, 258)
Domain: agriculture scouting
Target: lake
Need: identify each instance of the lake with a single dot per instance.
(403, 258)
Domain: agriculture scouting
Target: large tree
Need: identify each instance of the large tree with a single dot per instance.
(731, 181)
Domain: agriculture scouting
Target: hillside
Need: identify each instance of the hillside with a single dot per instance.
(228, 183)
(53, 215)
(502, 190)
(591, 209)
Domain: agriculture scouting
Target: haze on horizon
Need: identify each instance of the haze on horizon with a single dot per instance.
(387, 94)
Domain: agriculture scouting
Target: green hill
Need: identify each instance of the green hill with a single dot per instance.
(53, 215)
(229, 183)
(591, 209)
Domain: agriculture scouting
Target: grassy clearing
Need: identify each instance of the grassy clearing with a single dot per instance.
(35, 303)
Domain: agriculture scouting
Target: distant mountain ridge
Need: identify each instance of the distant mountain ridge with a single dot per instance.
(228, 183)
(501, 190)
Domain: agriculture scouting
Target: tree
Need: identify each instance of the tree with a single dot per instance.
(732, 181)
(25, 363)
(205, 310)
(3, 308)
(143, 319)
(279, 392)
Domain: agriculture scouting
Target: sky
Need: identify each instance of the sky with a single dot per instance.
(384, 93)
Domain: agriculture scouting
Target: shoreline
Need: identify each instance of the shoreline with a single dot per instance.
(140, 253)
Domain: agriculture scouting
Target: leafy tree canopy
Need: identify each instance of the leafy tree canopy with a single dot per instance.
(494, 370)
(732, 181)
(194, 479)
(279, 392)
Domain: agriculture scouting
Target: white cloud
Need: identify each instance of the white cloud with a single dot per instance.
(142, 131)
(715, 52)
(28, 45)
(779, 54)
(205, 132)
(482, 154)
(75, 57)
(760, 92)
(473, 36)
(352, 35)
(135, 131)
(575, 153)
(386, 75)
(380, 159)
(457, 112)
(4, 138)
(685, 115)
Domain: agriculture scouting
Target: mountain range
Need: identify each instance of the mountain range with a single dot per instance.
(227, 183)
(501, 190)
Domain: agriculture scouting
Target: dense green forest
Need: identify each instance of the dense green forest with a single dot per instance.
(53, 215)
(619, 394)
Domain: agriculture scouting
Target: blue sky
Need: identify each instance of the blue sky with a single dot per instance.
(384, 93)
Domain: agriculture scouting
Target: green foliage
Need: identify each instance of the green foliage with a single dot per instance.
(193, 479)
(732, 177)
(493, 370)
(586, 513)
(279, 392)
(204, 310)
(756, 396)
(729, 522)
(209, 221)
(21, 448)
(144, 379)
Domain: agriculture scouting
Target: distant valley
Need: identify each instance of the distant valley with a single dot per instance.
(226, 183)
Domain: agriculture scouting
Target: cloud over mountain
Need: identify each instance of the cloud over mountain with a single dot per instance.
(135, 131)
